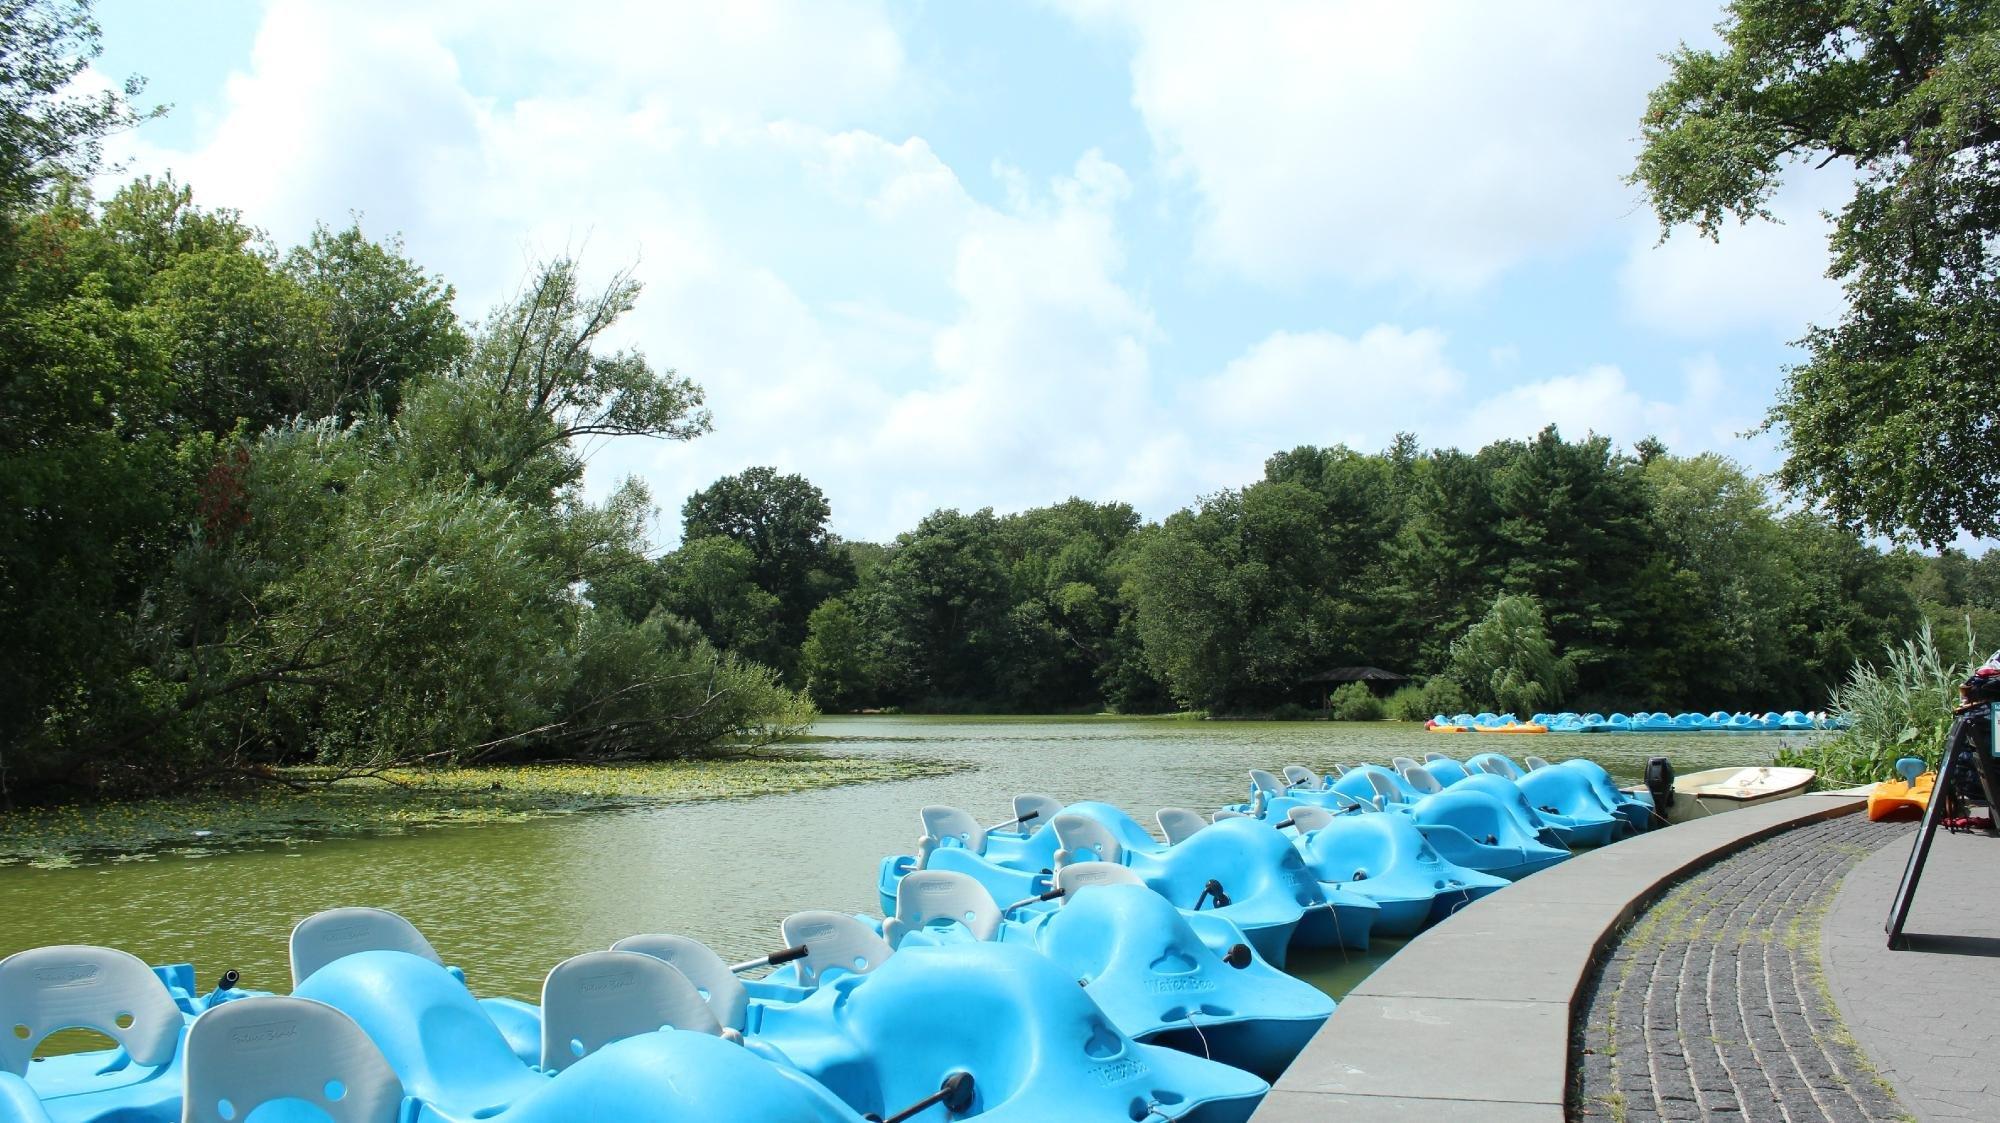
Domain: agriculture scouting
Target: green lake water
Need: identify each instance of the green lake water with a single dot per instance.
(508, 901)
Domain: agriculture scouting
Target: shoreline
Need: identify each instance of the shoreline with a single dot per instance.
(65, 835)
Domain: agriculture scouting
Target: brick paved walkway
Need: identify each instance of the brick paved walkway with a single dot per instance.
(1713, 1004)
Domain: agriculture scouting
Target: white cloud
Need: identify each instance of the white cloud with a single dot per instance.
(1372, 141)
(1765, 277)
(1704, 409)
(1320, 387)
(854, 313)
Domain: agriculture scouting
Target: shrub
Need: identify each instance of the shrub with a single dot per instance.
(1443, 695)
(1903, 709)
(1355, 702)
(1407, 704)
(1291, 711)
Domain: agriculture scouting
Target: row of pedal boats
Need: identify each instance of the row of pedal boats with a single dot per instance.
(1721, 721)
(1067, 963)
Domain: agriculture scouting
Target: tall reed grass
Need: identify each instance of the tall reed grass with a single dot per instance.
(1900, 709)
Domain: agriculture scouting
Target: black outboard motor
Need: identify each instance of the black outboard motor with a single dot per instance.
(1660, 783)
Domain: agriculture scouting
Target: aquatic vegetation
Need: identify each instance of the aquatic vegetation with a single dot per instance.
(397, 801)
(1900, 709)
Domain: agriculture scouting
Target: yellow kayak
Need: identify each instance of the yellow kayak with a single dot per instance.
(1513, 727)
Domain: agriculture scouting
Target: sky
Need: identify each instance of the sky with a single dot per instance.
(942, 254)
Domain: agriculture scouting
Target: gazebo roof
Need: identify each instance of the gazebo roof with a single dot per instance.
(1356, 674)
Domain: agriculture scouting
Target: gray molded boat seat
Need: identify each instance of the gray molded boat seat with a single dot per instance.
(323, 937)
(1179, 823)
(77, 986)
(1402, 763)
(948, 824)
(1428, 757)
(1074, 879)
(1265, 782)
(1535, 763)
(1497, 768)
(1418, 777)
(926, 896)
(834, 941)
(238, 1060)
(1080, 838)
(1228, 813)
(1385, 788)
(726, 995)
(593, 999)
(1299, 776)
(1310, 818)
(1044, 807)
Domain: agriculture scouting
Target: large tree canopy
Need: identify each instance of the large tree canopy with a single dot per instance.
(1891, 421)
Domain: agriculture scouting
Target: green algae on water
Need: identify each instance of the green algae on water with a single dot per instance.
(398, 801)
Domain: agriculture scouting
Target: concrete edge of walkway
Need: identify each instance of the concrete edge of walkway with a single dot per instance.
(1472, 1020)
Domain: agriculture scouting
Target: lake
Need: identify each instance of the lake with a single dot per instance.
(508, 901)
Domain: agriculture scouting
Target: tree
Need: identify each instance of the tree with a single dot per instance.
(1891, 423)
(781, 521)
(837, 659)
(1508, 660)
(384, 323)
(49, 130)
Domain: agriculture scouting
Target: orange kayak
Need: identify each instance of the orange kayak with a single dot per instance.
(1516, 727)
(1896, 797)
(1447, 727)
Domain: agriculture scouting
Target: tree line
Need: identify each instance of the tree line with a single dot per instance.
(1527, 574)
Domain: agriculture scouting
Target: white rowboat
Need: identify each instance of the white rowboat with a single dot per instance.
(1715, 790)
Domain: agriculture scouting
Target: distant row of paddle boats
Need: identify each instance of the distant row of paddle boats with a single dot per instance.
(1067, 963)
(1791, 721)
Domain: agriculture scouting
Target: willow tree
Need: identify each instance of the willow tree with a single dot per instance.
(1890, 423)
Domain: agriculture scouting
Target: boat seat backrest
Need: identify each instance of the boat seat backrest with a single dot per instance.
(593, 999)
(726, 995)
(834, 941)
(1080, 838)
(1263, 781)
(247, 1053)
(1074, 879)
(1495, 768)
(1310, 818)
(1179, 823)
(323, 937)
(1418, 777)
(1428, 757)
(1385, 788)
(1535, 763)
(924, 897)
(1227, 813)
(77, 986)
(1401, 763)
(1044, 807)
(1299, 776)
(951, 826)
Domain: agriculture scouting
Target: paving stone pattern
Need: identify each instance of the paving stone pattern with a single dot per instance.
(1712, 1004)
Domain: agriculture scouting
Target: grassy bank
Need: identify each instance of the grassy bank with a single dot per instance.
(403, 801)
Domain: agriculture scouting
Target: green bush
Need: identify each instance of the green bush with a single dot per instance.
(1407, 704)
(1443, 695)
(1292, 711)
(1355, 702)
(1903, 709)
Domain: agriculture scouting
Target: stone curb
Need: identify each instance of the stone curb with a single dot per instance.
(1472, 1020)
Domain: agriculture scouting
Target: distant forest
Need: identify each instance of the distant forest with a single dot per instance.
(1660, 581)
